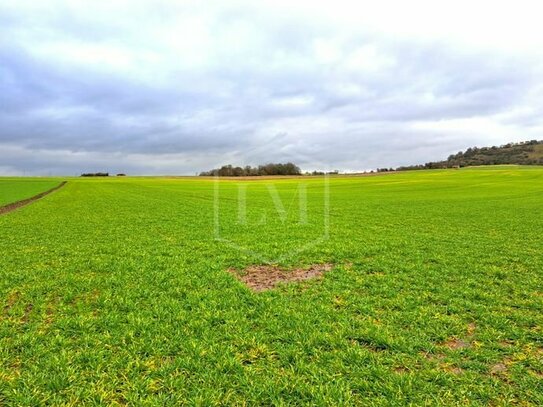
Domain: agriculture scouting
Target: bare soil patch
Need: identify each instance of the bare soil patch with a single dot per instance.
(264, 277)
(454, 344)
(453, 369)
(498, 368)
(12, 299)
(16, 205)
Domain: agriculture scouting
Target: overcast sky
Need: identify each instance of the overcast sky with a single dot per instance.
(177, 87)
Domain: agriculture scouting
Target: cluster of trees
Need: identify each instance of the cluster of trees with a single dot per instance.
(100, 174)
(95, 174)
(523, 153)
(335, 172)
(266, 169)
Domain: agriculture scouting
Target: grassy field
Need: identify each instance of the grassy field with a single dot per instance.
(17, 189)
(116, 291)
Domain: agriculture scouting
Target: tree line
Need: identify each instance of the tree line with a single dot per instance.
(100, 174)
(95, 174)
(248, 171)
(523, 153)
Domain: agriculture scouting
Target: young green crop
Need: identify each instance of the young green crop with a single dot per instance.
(17, 189)
(116, 292)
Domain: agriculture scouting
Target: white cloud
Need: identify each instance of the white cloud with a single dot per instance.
(169, 86)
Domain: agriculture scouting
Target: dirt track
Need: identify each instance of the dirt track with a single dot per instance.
(16, 205)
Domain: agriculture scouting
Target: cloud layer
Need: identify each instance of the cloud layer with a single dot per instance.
(178, 87)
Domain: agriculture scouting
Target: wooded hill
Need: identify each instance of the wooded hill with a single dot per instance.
(523, 153)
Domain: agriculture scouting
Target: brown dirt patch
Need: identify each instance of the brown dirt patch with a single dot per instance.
(265, 277)
(455, 344)
(16, 205)
(12, 299)
(28, 309)
(440, 361)
(453, 369)
(498, 368)
(430, 356)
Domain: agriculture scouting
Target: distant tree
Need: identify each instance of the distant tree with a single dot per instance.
(95, 174)
(266, 169)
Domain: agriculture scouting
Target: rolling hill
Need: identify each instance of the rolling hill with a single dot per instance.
(523, 153)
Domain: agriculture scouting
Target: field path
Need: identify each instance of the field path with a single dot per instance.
(16, 205)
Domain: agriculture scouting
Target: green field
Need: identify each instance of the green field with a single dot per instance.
(17, 189)
(116, 291)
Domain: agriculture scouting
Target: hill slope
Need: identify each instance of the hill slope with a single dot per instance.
(523, 153)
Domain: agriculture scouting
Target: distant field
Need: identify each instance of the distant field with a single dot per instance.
(118, 291)
(17, 189)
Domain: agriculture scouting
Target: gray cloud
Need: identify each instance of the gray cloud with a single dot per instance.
(165, 88)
